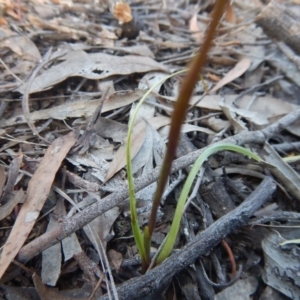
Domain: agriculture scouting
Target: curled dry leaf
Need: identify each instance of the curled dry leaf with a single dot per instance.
(194, 28)
(122, 12)
(230, 15)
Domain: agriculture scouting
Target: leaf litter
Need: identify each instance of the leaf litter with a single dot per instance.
(252, 84)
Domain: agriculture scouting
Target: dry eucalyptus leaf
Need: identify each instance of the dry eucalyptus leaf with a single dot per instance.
(58, 24)
(229, 14)
(7, 208)
(239, 69)
(160, 121)
(114, 130)
(23, 46)
(137, 140)
(37, 193)
(100, 227)
(295, 128)
(141, 50)
(194, 28)
(47, 293)
(237, 124)
(93, 66)
(98, 165)
(146, 110)
(243, 289)
(71, 246)
(164, 132)
(12, 175)
(215, 123)
(77, 109)
(145, 152)
(283, 172)
(266, 106)
(51, 258)
(115, 258)
(158, 148)
(2, 179)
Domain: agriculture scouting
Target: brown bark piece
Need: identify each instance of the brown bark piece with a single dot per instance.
(281, 23)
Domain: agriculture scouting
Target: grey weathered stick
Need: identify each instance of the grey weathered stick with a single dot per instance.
(281, 23)
(138, 288)
(81, 219)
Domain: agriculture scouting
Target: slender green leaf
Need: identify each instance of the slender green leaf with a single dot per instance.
(138, 237)
(170, 240)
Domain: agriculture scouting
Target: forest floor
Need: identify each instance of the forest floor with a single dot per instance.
(72, 73)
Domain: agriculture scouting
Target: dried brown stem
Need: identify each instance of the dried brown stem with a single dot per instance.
(180, 108)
